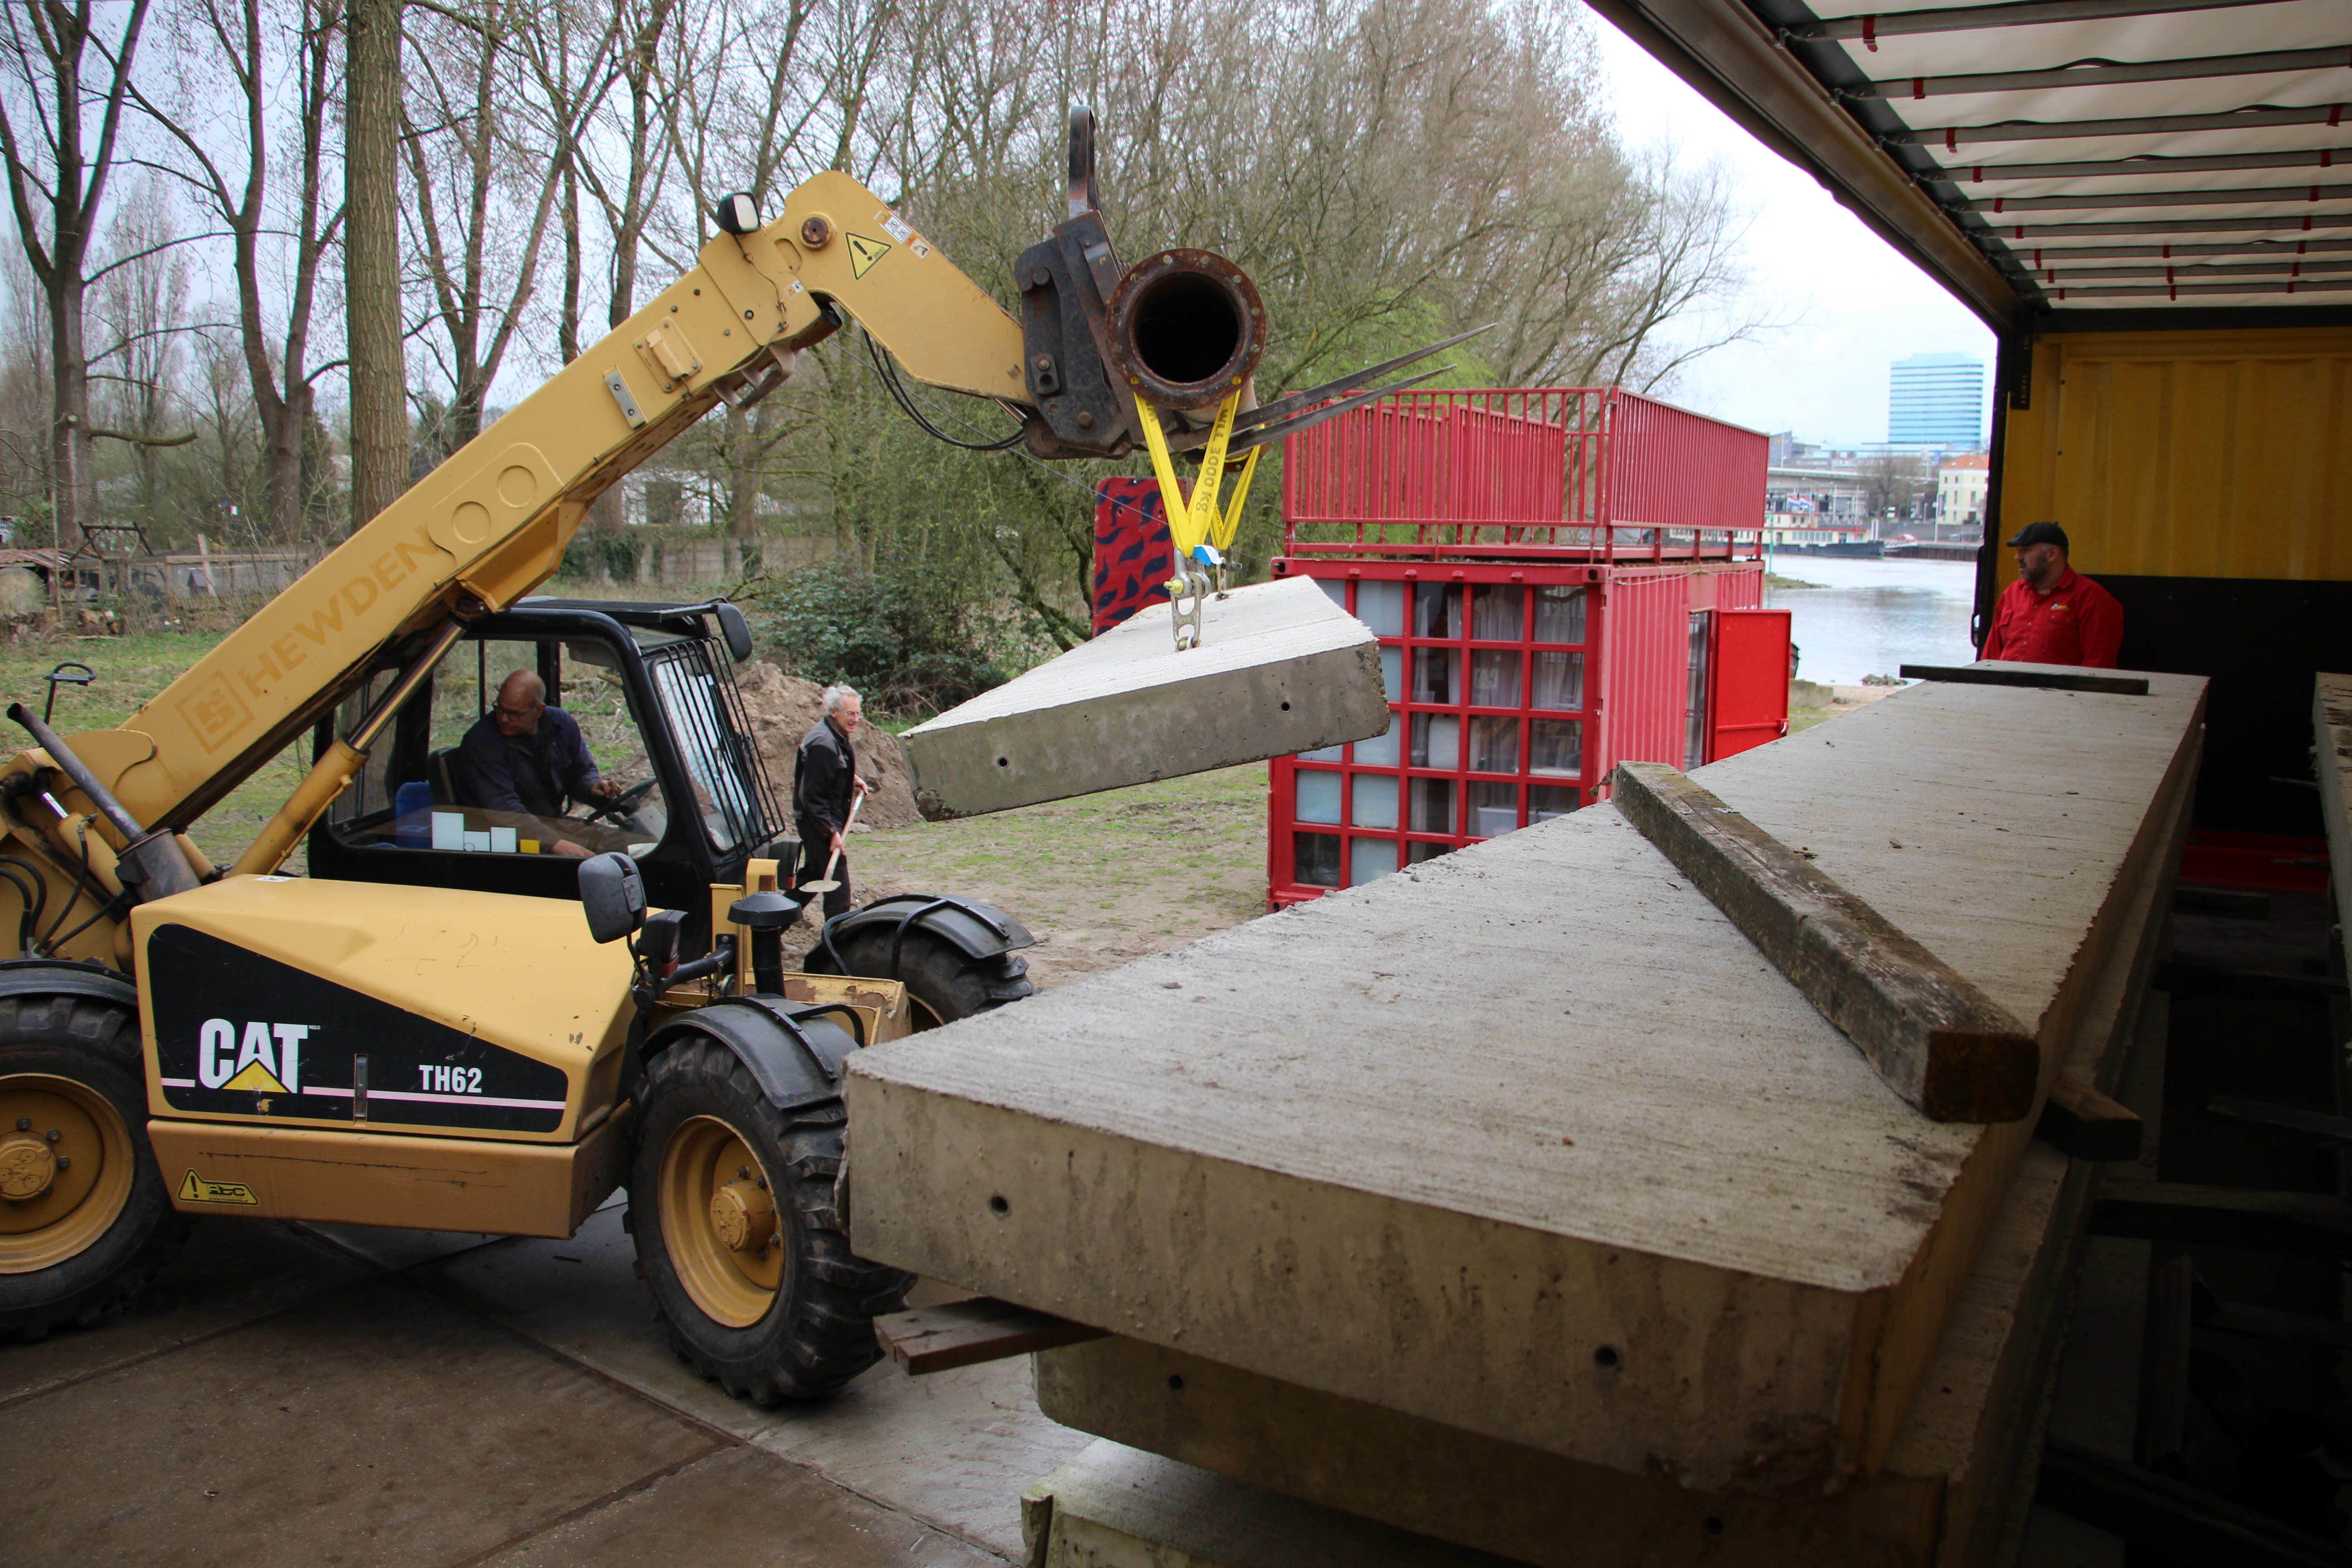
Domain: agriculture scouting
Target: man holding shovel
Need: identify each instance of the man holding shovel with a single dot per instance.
(826, 790)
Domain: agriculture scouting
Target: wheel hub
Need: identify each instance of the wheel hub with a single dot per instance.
(27, 1167)
(743, 1215)
(718, 1222)
(66, 1167)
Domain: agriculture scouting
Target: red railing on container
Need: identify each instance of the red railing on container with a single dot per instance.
(1682, 472)
(1588, 473)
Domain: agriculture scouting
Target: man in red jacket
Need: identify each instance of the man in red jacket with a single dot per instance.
(2051, 614)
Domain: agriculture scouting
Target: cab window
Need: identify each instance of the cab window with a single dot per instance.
(449, 777)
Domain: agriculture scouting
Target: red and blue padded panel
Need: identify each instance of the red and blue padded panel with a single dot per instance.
(1134, 557)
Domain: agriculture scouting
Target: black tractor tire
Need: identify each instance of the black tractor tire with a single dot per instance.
(944, 982)
(74, 1062)
(817, 1330)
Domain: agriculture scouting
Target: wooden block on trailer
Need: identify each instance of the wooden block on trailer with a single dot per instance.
(2080, 1122)
(2008, 672)
(1938, 1041)
(1280, 670)
(1436, 1143)
(965, 1333)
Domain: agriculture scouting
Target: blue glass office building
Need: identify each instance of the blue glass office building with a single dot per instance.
(1935, 400)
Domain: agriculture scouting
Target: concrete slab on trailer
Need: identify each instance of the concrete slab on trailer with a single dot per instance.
(1530, 1141)
(1280, 670)
(1957, 1486)
(1526, 1506)
(2331, 720)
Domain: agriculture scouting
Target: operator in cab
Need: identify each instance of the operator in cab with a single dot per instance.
(824, 785)
(525, 759)
(2052, 614)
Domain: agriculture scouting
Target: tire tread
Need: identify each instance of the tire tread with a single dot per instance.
(36, 1029)
(821, 1333)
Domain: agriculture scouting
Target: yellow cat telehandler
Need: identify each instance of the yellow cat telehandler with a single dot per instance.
(408, 1036)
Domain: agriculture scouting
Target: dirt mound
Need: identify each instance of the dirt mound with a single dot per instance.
(782, 707)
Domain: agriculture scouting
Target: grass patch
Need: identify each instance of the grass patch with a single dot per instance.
(128, 671)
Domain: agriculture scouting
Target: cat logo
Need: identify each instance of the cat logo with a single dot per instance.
(864, 253)
(267, 1061)
(194, 1189)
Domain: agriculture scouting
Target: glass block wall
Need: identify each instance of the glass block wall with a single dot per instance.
(1489, 673)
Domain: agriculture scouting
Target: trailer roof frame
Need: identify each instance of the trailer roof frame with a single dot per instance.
(2154, 81)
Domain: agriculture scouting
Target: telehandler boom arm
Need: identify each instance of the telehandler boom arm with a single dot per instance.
(1101, 355)
(491, 524)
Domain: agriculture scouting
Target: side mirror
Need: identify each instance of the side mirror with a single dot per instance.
(736, 630)
(658, 943)
(613, 896)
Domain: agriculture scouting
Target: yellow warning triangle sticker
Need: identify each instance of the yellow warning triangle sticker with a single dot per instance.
(194, 1189)
(864, 253)
(259, 1079)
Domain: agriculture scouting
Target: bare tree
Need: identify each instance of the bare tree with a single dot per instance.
(232, 35)
(1893, 481)
(371, 297)
(483, 199)
(231, 490)
(142, 310)
(629, 193)
(628, 200)
(570, 50)
(60, 117)
(1674, 262)
(747, 100)
(24, 398)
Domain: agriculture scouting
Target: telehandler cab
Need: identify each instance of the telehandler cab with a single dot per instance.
(653, 688)
(409, 1036)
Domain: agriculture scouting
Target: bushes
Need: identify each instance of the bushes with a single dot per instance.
(908, 634)
(592, 556)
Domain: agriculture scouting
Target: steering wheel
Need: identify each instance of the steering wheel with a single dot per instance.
(622, 804)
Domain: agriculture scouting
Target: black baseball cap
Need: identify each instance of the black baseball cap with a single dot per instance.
(2039, 533)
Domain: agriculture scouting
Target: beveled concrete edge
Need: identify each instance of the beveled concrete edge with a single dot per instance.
(1115, 740)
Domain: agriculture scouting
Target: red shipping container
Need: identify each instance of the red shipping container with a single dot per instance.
(1561, 580)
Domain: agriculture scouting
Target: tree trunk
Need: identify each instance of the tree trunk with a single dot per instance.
(379, 369)
(282, 462)
(73, 483)
(567, 321)
(744, 478)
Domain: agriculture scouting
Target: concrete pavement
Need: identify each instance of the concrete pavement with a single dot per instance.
(330, 1395)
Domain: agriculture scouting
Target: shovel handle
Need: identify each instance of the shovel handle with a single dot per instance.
(826, 882)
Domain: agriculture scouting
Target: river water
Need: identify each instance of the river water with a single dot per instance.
(1866, 617)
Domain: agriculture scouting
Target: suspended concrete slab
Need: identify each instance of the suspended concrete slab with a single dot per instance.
(1279, 669)
(1530, 1142)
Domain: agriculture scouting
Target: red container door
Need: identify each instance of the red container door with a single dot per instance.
(1751, 681)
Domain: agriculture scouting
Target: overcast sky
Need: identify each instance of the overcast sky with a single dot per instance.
(1853, 305)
